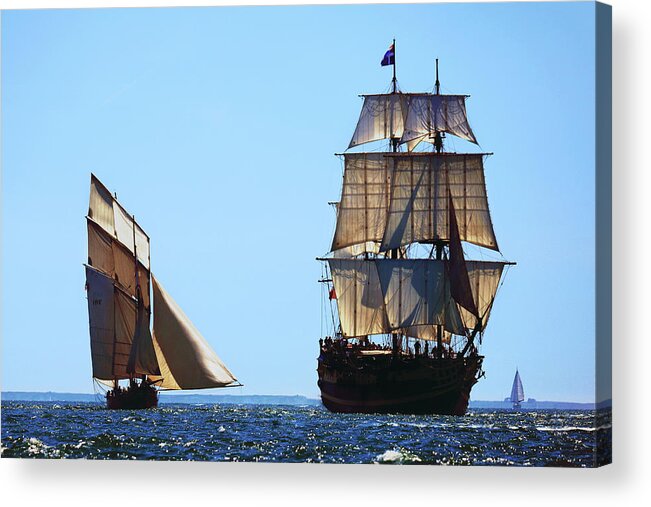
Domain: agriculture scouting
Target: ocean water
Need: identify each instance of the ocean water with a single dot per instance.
(293, 434)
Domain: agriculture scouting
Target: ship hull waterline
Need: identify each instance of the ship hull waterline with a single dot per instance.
(141, 397)
(416, 386)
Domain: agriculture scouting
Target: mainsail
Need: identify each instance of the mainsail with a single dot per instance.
(517, 392)
(119, 305)
(377, 296)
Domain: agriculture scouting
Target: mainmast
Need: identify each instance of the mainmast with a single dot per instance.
(438, 138)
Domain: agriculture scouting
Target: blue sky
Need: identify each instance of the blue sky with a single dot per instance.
(217, 129)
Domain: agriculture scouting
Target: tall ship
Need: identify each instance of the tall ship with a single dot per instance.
(131, 362)
(517, 391)
(407, 309)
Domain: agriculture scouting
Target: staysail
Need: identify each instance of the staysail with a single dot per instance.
(186, 359)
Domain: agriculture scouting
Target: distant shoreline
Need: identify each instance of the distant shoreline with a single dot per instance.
(274, 399)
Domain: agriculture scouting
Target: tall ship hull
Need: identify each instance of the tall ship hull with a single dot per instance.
(408, 308)
(402, 386)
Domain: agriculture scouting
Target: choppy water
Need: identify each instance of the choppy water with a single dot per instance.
(303, 434)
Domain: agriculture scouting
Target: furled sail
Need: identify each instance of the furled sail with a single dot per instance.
(362, 210)
(419, 199)
(428, 114)
(517, 392)
(113, 218)
(186, 359)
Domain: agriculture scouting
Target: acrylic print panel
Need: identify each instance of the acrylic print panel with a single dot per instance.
(209, 134)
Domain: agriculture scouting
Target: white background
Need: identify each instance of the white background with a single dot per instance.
(626, 482)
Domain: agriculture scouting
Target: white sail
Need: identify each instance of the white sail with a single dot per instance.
(420, 187)
(517, 392)
(113, 218)
(429, 114)
(186, 359)
(362, 210)
(385, 295)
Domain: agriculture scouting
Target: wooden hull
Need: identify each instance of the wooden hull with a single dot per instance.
(133, 398)
(398, 385)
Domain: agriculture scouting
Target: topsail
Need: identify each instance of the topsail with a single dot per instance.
(411, 118)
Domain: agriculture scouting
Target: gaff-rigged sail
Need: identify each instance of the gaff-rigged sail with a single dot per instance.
(118, 253)
(186, 359)
(107, 212)
(114, 331)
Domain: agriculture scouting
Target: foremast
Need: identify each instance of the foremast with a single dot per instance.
(391, 200)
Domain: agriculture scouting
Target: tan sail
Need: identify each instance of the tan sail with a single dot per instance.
(113, 330)
(112, 258)
(417, 293)
(386, 295)
(359, 297)
(382, 117)
(186, 359)
(113, 218)
(484, 278)
(418, 210)
(428, 114)
(362, 210)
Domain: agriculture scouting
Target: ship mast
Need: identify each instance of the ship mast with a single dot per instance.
(439, 244)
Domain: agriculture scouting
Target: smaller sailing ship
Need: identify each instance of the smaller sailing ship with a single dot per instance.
(517, 392)
(118, 279)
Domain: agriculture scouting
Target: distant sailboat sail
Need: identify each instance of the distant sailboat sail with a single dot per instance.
(517, 392)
